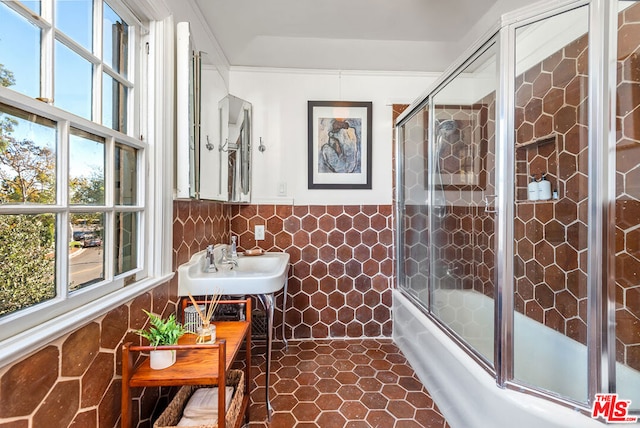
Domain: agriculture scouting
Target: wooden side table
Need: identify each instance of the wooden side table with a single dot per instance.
(196, 364)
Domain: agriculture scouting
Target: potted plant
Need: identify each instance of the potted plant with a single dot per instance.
(162, 332)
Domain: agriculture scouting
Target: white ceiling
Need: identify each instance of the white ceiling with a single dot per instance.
(407, 35)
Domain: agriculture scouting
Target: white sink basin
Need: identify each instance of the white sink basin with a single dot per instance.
(263, 274)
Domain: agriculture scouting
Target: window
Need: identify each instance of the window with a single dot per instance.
(73, 179)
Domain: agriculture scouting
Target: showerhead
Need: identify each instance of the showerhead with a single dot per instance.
(446, 127)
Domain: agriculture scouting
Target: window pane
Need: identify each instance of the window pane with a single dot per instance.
(126, 185)
(114, 104)
(75, 19)
(115, 38)
(86, 258)
(20, 58)
(72, 82)
(126, 242)
(27, 261)
(27, 158)
(86, 168)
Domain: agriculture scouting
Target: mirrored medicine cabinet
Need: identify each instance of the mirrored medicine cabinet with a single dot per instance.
(213, 148)
(235, 149)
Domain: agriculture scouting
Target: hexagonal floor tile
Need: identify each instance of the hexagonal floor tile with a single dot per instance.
(318, 384)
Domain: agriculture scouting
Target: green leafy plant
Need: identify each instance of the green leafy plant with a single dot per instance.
(162, 332)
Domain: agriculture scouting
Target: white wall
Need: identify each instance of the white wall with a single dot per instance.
(279, 98)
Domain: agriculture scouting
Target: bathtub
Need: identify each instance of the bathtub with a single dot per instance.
(467, 395)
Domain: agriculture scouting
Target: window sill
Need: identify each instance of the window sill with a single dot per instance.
(20, 345)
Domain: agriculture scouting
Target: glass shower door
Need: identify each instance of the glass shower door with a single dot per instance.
(627, 206)
(414, 209)
(551, 204)
(462, 219)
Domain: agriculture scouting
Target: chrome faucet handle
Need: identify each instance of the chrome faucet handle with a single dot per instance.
(226, 260)
(210, 263)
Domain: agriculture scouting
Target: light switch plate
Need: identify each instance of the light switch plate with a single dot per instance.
(259, 232)
(282, 188)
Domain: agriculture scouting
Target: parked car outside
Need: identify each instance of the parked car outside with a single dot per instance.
(90, 240)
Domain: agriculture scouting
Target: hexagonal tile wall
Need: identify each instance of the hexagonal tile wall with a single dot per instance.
(76, 379)
(461, 243)
(342, 383)
(342, 265)
(627, 234)
(197, 224)
(550, 237)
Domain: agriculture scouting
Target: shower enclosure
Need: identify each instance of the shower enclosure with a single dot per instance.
(518, 202)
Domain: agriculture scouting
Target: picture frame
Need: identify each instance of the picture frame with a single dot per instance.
(339, 144)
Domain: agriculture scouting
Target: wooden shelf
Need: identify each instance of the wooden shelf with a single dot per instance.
(196, 364)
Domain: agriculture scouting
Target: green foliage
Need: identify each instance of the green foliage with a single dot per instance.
(27, 267)
(28, 174)
(6, 77)
(162, 332)
(87, 190)
(6, 124)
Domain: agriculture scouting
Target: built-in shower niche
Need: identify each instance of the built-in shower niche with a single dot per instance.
(537, 158)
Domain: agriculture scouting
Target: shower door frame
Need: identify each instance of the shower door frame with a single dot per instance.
(601, 335)
(601, 200)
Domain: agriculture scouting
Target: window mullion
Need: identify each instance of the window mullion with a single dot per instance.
(97, 68)
(109, 223)
(109, 167)
(114, 75)
(63, 218)
(97, 94)
(47, 40)
(136, 64)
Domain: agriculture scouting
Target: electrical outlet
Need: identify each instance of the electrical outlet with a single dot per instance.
(259, 232)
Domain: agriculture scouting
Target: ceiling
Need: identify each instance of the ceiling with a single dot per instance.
(385, 35)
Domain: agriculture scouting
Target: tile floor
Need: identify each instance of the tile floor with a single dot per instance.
(354, 383)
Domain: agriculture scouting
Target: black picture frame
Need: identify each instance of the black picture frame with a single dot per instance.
(339, 144)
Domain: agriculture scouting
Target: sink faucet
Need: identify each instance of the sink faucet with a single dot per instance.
(228, 260)
(209, 261)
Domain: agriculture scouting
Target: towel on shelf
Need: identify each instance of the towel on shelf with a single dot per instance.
(187, 422)
(204, 403)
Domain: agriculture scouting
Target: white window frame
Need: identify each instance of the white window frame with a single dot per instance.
(27, 330)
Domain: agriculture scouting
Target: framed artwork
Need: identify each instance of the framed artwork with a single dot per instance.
(339, 154)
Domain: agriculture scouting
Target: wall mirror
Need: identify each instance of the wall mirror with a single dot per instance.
(188, 103)
(235, 149)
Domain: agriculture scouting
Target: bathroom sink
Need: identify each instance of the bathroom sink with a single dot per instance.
(262, 274)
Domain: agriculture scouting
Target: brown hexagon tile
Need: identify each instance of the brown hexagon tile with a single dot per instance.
(329, 402)
(60, 405)
(26, 383)
(79, 350)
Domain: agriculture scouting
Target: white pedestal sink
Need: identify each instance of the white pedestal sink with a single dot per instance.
(261, 276)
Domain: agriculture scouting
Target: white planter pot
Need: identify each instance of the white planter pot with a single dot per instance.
(162, 359)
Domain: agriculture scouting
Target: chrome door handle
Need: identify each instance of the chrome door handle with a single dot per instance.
(488, 199)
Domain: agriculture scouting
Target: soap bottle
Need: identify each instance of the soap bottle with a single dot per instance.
(533, 189)
(544, 189)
